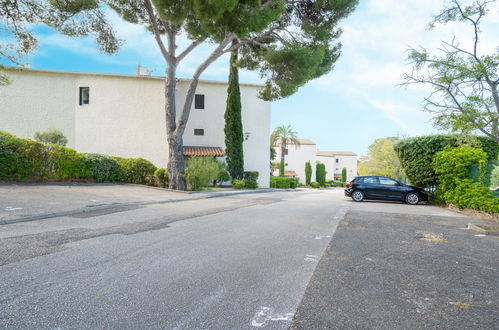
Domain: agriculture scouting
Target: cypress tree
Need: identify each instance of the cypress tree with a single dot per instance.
(233, 123)
(308, 173)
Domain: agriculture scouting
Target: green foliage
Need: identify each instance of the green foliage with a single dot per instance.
(233, 123)
(33, 160)
(68, 164)
(282, 168)
(320, 173)
(340, 184)
(283, 182)
(161, 175)
(137, 170)
(51, 136)
(381, 159)
(344, 174)
(104, 168)
(223, 176)
(238, 184)
(452, 169)
(416, 154)
(308, 173)
(315, 184)
(200, 172)
(9, 155)
(250, 179)
(463, 81)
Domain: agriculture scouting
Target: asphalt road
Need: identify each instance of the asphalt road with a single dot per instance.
(233, 262)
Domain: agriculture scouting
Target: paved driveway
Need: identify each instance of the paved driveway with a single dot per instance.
(138, 257)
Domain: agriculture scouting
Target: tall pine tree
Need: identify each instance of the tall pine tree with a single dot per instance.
(233, 123)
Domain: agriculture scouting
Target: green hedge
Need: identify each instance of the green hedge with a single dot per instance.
(283, 182)
(250, 179)
(416, 155)
(237, 184)
(315, 184)
(24, 159)
(320, 173)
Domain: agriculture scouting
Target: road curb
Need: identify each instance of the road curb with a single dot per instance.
(481, 230)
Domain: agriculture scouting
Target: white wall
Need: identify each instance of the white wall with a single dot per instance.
(329, 162)
(125, 116)
(349, 162)
(297, 157)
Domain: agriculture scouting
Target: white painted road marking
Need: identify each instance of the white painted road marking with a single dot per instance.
(8, 208)
(322, 236)
(266, 315)
(310, 257)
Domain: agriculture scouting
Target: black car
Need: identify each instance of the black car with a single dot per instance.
(383, 188)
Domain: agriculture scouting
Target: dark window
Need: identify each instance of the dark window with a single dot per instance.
(371, 179)
(199, 101)
(286, 152)
(337, 160)
(387, 181)
(198, 131)
(84, 95)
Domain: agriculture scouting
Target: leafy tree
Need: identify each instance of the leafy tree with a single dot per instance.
(201, 171)
(233, 123)
(71, 17)
(464, 81)
(320, 173)
(344, 174)
(283, 136)
(381, 159)
(308, 173)
(51, 136)
(494, 181)
(290, 42)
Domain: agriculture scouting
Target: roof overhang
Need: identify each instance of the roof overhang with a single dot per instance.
(203, 151)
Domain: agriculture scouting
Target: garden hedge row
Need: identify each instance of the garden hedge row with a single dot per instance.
(283, 182)
(24, 159)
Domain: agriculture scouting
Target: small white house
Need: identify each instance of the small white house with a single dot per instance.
(123, 115)
(335, 161)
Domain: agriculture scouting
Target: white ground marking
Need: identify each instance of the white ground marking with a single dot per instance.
(480, 235)
(8, 208)
(369, 259)
(322, 236)
(310, 257)
(266, 315)
(202, 306)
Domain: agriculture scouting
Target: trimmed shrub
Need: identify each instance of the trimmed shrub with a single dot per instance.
(200, 172)
(452, 169)
(308, 173)
(339, 184)
(283, 182)
(9, 156)
(238, 184)
(344, 174)
(103, 168)
(223, 176)
(67, 164)
(51, 136)
(315, 184)
(250, 179)
(320, 173)
(416, 155)
(161, 175)
(138, 170)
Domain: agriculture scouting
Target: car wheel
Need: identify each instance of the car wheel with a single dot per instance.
(412, 198)
(358, 196)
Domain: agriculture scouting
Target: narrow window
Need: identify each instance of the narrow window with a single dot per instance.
(337, 160)
(198, 131)
(286, 152)
(199, 101)
(84, 95)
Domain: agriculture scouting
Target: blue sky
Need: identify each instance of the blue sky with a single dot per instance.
(357, 102)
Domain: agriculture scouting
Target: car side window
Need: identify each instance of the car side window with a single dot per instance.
(358, 180)
(371, 180)
(387, 181)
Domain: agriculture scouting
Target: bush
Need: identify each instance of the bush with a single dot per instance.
(283, 182)
(137, 170)
(104, 168)
(494, 180)
(315, 184)
(9, 156)
(320, 173)
(308, 173)
(238, 184)
(452, 169)
(250, 179)
(68, 164)
(416, 155)
(161, 175)
(200, 172)
(51, 136)
(223, 176)
(344, 174)
(339, 184)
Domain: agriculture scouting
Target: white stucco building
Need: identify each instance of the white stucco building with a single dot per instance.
(123, 115)
(335, 161)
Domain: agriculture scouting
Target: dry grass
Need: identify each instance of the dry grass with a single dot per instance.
(431, 237)
(461, 305)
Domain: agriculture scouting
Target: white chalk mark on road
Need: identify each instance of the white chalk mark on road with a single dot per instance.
(310, 257)
(8, 208)
(322, 236)
(266, 315)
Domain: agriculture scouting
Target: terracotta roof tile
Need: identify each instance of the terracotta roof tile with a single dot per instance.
(204, 151)
(335, 153)
(290, 173)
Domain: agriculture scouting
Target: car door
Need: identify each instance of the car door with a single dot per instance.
(389, 189)
(369, 186)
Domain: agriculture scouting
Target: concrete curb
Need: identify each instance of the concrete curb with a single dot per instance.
(120, 205)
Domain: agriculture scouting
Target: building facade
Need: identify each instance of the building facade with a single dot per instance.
(123, 115)
(335, 161)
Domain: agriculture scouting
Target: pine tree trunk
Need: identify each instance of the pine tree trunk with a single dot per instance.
(233, 122)
(176, 164)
